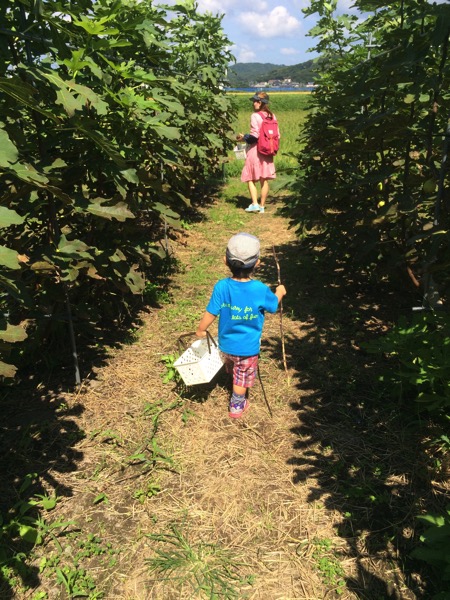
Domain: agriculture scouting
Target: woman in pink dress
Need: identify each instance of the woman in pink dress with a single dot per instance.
(258, 167)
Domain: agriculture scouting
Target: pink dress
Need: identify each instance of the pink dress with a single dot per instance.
(257, 166)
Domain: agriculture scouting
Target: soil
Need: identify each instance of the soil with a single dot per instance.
(310, 495)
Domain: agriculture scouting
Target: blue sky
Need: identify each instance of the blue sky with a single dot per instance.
(267, 31)
(270, 31)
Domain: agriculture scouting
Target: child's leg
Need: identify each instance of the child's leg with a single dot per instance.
(230, 367)
(244, 373)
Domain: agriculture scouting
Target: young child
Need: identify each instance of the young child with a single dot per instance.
(241, 303)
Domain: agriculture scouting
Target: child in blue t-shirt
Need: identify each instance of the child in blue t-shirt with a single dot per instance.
(241, 303)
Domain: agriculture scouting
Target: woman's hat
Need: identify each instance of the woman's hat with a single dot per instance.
(260, 99)
(243, 250)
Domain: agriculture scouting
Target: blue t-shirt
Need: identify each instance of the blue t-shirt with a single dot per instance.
(241, 307)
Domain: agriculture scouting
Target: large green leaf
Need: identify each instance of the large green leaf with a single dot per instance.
(8, 151)
(119, 211)
(25, 94)
(165, 210)
(27, 172)
(135, 281)
(7, 370)
(75, 248)
(74, 96)
(105, 144)
(100, 109)
(95, 26)
(17, 291)
(56, 191)
(13, 334)
(43, 266)
(79, 61)
(9, 258)
(71, 273)
(117, 256)
(9, 217)
(170, 133)
(130, 175)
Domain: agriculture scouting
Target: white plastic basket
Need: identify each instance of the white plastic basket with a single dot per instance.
(198, 364)
(240, 151)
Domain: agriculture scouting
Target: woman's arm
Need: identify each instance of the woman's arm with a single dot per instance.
(247, 137)
(250, 139)
(255, 126)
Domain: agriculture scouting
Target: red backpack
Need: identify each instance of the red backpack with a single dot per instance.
(269, 135)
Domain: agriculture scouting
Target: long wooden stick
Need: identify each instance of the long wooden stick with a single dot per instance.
(264, 394)
(281, 314)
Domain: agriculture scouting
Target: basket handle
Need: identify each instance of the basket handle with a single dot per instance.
(209, 339)
(182, 343)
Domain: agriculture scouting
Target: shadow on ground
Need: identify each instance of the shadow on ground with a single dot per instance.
(39, 430)
(359, 445)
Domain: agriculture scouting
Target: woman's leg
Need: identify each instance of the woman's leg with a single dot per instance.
(253, 192)
(264, 190)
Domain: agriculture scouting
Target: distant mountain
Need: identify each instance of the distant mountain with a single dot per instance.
(302, 72)
(248, 74)
(240, 74)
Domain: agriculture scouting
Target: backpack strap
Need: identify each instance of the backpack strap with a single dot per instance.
(265, 116)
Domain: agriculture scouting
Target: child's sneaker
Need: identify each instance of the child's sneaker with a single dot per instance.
(253, 208)
(237, 409)
(261, 209)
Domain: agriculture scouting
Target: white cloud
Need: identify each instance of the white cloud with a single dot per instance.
(257, 32)
(213, 6)
(276, 23)
(228, 6)
(289, 51)
(245, 55)
(63, 16)
(345, 6)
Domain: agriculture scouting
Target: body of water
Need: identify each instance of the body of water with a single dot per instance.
(252, 90)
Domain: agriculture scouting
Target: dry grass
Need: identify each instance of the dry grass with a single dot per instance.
(233, 486)
(260, 488)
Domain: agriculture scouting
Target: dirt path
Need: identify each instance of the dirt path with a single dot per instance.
(242, 503)
(236, 484)
(233, 485)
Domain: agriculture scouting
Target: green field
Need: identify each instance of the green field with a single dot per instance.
(290, 109)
